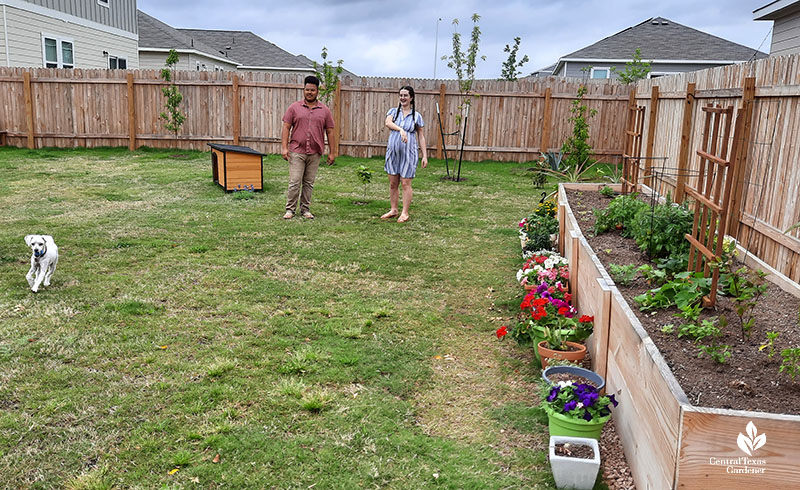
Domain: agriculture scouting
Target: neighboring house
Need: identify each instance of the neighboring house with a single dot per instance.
(157, 38)
(251, 52)
(668, 46)
(785, 15)
(68, 34)
(543, 72)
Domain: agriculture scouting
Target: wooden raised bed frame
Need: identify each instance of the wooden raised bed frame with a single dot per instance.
(668, 442)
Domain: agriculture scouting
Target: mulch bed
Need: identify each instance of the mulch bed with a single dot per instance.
(749, 380)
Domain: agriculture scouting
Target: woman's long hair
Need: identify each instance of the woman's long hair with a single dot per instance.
(413, 108)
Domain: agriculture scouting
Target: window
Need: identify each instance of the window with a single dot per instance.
(656, 74)
(117, 63)
(103, 3)
(600, 72)
(58, 53)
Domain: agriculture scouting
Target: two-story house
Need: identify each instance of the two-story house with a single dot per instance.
(69, 34)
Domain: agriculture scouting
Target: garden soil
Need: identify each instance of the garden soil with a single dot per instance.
(749, 380)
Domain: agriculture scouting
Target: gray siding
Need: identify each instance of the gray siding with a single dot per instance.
(120, 13)
(786, 35)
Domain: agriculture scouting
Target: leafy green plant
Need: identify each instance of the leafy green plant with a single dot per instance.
(364, 174)
(634, 70)
(770, 343)
(791, 362)
(511, 66)
(668, 328)
(577, 149)
(661, 231)
(746, 287)
(685, 289)
(173, 117)
(653, 275)
(619, 213)
(719, 353)
(698, 332)
(553, 159)
(328, 75)
(607, 191)
(622, 274)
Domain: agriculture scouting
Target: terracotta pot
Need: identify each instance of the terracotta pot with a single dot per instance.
(530, 287)
(576, 353)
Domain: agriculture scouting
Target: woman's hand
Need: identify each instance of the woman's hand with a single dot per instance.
(424, 162)
(403, 135)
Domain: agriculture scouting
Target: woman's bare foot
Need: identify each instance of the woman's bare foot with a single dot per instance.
(390, 214)
(403, 218)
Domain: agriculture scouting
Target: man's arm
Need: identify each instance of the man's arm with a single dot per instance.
(331, 155)
(285, 140)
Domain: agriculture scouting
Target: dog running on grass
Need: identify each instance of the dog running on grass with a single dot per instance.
(44, 258)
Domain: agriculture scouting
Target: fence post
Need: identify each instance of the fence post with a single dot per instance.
(439, 151)
(651, 136)
(686, 132)
(131, 115)
(544, 146)
(237, 119)
(740, 166)
(337, 122)
(29, 116)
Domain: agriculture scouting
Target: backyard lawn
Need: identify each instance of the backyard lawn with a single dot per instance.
(194, 339)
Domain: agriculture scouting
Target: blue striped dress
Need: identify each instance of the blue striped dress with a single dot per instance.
(401, 158)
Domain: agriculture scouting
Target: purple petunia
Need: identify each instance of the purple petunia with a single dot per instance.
(588, 398)
(570, 405)
(613, 400)
(553, 394)
(587, 416)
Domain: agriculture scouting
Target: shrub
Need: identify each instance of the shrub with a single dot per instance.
(621, 211)
(661, 231)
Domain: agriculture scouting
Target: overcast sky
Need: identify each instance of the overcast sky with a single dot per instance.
(398, 38)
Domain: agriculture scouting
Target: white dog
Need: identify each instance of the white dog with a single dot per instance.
(43, 260)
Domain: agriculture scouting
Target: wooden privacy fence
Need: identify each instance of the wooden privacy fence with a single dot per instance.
(508, 121)
(765, 194)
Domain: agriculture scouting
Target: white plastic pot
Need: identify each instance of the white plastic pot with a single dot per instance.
(577, 473)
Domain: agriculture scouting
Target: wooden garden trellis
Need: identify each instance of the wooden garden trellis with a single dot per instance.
(712, 194)
(632, 152)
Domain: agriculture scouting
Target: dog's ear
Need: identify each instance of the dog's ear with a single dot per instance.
(29, 239)
(48, 239)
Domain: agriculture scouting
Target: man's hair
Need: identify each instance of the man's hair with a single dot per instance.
(312, 79)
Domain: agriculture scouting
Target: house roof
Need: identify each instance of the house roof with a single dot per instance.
(661, 40)
(155, 34)
(777, 9)
(250, 50)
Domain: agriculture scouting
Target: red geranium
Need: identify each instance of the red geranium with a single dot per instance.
(501, 332)
(540, 302)
(586, 319)
(540, 259)
(563, 310)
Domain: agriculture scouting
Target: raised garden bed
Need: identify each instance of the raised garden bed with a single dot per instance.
(671, 440)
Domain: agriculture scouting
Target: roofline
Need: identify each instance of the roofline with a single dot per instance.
(191, 51)
(282, 68)
(73, 19)
(775, 9)
(626, 60)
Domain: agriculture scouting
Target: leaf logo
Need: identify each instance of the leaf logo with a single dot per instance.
(750, 442)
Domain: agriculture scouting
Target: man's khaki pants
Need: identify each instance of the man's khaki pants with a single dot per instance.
(302, 173)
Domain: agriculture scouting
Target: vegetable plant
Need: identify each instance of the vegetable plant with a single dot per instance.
(622, 274)
(621, 211)
(770, 343)
(791, 362)
(661, 232)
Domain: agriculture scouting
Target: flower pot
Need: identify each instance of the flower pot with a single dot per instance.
(576, 353)
(595, 378)
(572, 472)
(530, 287)
(564, 425)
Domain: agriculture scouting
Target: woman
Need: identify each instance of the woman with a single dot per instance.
(401, 153)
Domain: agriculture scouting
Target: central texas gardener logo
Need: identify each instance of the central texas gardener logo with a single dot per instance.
(752, 441)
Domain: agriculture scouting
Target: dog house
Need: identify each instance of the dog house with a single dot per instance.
(237, 167)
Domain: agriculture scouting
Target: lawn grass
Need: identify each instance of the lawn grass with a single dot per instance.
(185, 323)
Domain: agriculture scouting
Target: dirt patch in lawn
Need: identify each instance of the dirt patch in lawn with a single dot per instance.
(750, 380)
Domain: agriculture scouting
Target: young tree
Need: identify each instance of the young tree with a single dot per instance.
(511, 65)
(634, 70)
(173, 117)
(576, 148)
(464, 65)
(328, 76)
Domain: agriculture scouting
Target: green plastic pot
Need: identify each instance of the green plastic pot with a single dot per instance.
(563, 425)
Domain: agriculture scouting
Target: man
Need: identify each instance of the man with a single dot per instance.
(306, 119)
